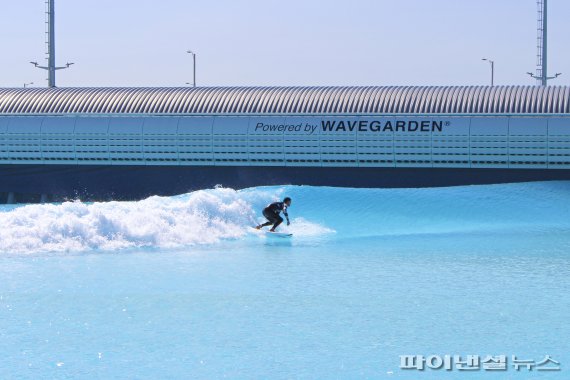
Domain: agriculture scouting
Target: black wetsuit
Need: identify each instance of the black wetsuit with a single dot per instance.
(272, 211)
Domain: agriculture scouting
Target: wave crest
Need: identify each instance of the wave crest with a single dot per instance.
(200, 217)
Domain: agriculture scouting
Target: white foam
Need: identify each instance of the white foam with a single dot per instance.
(201, 217)
(196, 218)
(301, 227)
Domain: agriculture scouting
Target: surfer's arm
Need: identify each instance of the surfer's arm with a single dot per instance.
(286, 215)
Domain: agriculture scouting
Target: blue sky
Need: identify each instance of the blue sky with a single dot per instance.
(272, 42)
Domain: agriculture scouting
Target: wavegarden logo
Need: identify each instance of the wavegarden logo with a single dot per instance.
(379, 126)
(352, 125)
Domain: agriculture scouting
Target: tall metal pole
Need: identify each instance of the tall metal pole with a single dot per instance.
(51, 67)
(542, 46)
(51, 44)
(544, 78)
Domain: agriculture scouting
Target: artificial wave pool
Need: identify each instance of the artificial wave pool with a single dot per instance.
(320, 214)
(182, 287)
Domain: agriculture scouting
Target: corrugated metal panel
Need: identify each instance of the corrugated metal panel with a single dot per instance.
(289, 100)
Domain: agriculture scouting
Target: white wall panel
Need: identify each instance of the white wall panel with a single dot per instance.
(265, 140)
(196, 125)
(301, 145)
(160, 140)
(231, 125)
(528, 126)
(489, 126)
(338, 147)
(58, 140)
(23, 139)
(91, 140)
(92, 125)
(486, 142)
(412, 148)
(375, 142)
(559, 143)
(195, 145)
(489, 142)
(230, 143)
(125, 140)
(126, 125)
(559, 126)
(161, 125)
(28, 125)
(451, 146)
(58, 124)
(528, 142)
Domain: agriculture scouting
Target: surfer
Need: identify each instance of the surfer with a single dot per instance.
(272, 212)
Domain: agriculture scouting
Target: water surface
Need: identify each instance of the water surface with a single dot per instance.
(182, 287)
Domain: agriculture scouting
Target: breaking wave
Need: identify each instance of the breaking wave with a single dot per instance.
(210, 216)
(200, 217)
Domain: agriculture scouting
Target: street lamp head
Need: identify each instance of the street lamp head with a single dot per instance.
(69, 64)
(483, 59)
(34, 63)
(558, 74)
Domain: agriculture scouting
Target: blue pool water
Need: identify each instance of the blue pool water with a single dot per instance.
(182, 287)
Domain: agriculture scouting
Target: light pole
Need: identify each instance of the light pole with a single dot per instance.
(194, 65)
(51, 67)
(542, 46)
(492, 70)
(544, 79)
(26, 85)
(51, 71)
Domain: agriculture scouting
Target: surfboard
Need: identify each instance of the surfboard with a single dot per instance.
(278, 234)
(273, 234)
